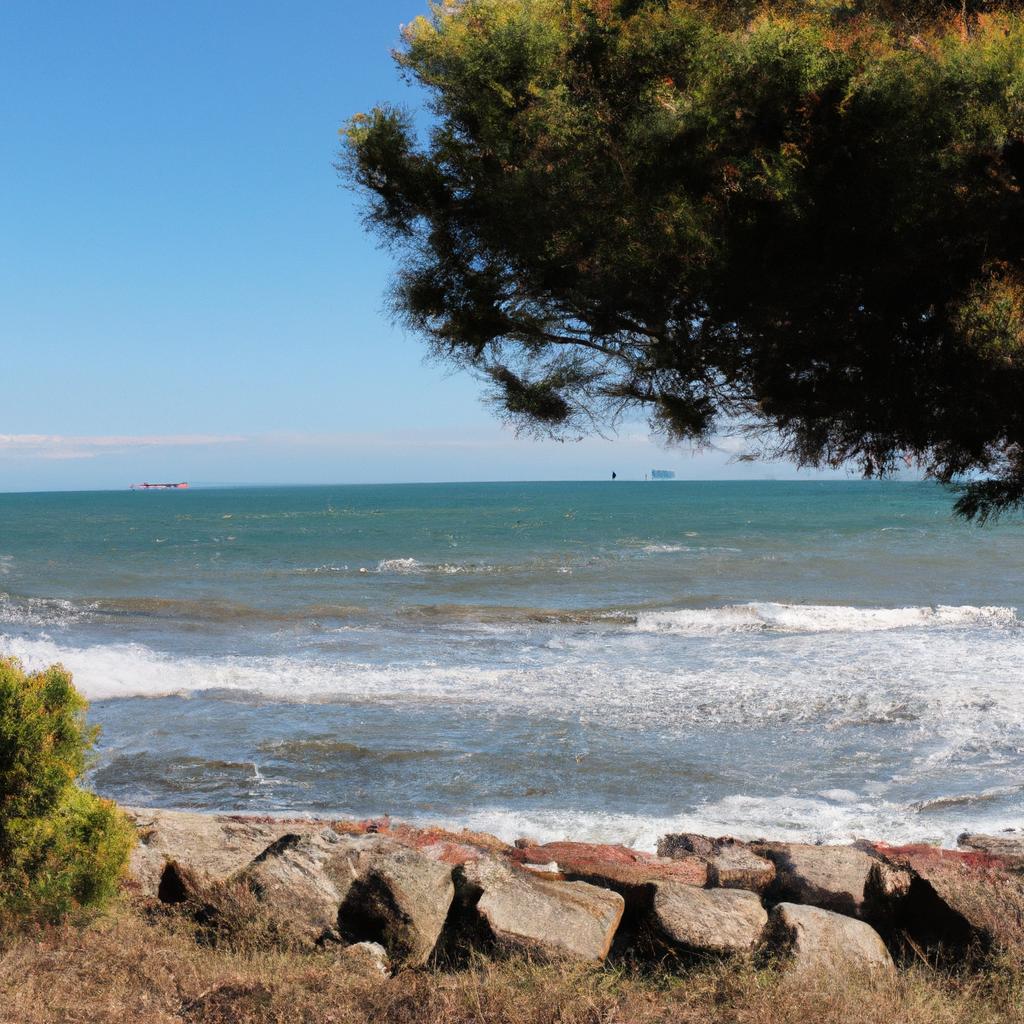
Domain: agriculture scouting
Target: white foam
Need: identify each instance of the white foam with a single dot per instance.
(40, 611)
(412, 566)
(783, 818)
(801, 618)
(105, 671)
(400, 565)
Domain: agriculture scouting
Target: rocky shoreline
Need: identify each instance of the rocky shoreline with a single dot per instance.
(392, 895)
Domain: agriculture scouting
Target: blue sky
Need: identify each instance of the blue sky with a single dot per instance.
(188, 293)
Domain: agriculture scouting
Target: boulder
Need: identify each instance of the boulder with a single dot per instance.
(731, 864)
(957, 903)
(735, 866)
(397, 897)
(206, 847)
(364, 958)
(302, 880)
(1008, 846)
(716, 921)
(631, 873)
(555, 920)
(830, 877)
(811, 938)
(354, 888)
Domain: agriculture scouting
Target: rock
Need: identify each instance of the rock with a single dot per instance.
(684, 843)
(357, 888)
(553, 919)
(399, 898)
(471, 845)
(732, 864)
(302, 881)
(364, 958)
(1008, 846)
(718, 921)
(812, 938)
(525, 842)
(630, 873)
(830, 877)
(735, 866)
(550, 871)
(958, 903)
(207, 847)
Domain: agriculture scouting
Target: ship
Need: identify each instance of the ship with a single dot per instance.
(662, 474)
(160, 487)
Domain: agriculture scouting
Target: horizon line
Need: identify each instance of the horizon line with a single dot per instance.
(251, 485)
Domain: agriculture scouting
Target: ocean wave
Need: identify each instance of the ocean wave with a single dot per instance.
(41, 611)
(806, 819)
(53, 612)
(800, 618)
(515, 615)
(968, 693)
(955, 801)
(678, 549)
(412, 566)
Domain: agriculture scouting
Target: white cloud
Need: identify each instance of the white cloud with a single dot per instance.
(61, 446)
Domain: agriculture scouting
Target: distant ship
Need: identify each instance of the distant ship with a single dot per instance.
(159, 487)
(662, 474)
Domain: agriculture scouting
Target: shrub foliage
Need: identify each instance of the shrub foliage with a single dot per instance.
(61, 847)
(804, 218)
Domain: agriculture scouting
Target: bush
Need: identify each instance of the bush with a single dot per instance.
(61, 847)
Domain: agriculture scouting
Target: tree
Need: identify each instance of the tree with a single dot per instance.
(804, 220)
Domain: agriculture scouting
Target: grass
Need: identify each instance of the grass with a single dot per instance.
(140, 964)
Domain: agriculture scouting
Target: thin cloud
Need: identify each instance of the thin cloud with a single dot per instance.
(61, 446)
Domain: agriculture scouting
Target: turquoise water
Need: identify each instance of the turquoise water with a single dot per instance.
(599, 660)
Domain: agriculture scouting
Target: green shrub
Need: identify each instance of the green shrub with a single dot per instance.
(61, 847)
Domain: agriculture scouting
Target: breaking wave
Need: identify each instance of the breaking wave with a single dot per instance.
(798, 618)
(40, 611)
(412, 566)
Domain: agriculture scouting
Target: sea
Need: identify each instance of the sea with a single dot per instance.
(607, 661)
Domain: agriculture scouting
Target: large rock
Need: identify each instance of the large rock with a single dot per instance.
(302, 880)
(717, 921)
(174, 846)
(830, 877)
(811, 938)
(631, 873)
(731, 864)
(552, 918)
(957, 903)
(399, 898)
(362, 888)
(1007, 846)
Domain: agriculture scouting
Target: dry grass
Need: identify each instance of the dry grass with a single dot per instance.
(137, 965)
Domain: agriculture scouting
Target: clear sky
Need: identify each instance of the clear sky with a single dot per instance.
(185, 290)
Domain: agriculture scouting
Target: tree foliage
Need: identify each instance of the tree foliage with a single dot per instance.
(801, 219)
(61, 848)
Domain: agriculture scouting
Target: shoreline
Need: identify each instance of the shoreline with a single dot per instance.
(419, 892)
(609, 835)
